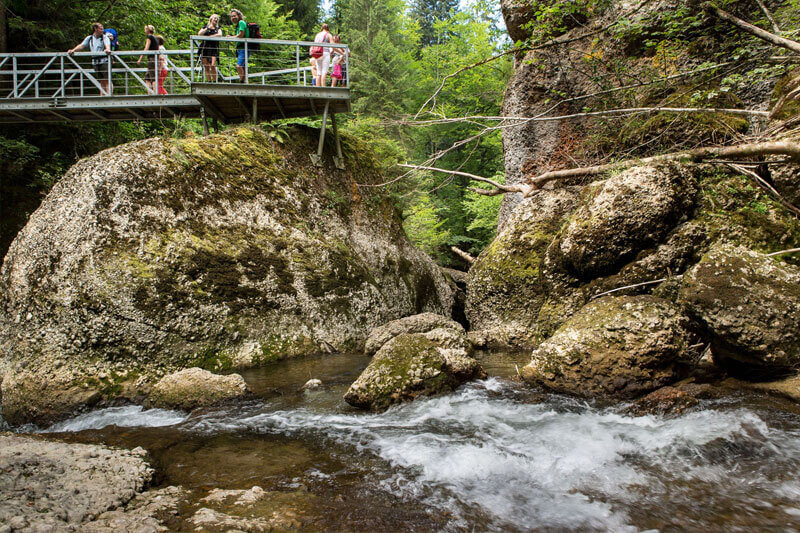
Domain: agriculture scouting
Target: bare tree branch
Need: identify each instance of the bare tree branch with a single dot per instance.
(462, 254)
(498, 186)
(563, 39)
(767, 187)
(766, 12)
(609, 112)
(790, 251)
(777, 40)
(653, 282)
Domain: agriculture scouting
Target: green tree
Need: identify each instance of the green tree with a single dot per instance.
(381, 43)
(305, 12)
(428, 13)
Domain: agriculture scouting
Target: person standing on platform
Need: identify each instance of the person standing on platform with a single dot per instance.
(241, 32)
(324, 57)
(339, 56)
(150, 44)
(99, 44)
(162, 65)
(209, 50)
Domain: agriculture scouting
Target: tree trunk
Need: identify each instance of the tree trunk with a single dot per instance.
(777, 40)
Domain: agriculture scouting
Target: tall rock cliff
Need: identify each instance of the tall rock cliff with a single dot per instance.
(220, 252)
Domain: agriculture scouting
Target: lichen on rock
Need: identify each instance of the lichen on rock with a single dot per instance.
(749, 306)
(616, 346)
(407, 366)
(222, 252)
(195, 387)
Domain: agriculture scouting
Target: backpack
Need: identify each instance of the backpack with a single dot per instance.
(113, 37)
(255, 33)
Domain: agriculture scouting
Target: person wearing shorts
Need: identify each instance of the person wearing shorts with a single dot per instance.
(150, 44)
(209, 50)
(241, 32)
(323, 61)
(98, 43)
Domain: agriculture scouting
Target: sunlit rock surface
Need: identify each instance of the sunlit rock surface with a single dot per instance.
(616, 346)
(220, 252)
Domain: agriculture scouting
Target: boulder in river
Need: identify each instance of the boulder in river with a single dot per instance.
(616, 346)
(421, 323)
(221, 252)
(749, 305)
(408, 366)
(195, 387)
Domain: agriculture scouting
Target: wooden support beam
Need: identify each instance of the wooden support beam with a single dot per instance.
(211, 108)
(243, 106)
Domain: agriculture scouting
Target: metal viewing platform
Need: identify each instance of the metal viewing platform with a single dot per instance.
(276, 83)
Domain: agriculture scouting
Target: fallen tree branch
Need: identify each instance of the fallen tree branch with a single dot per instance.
(608, 112)
(767, 187)
(790, 251)
(653, 282)
(766, 12)
(787, 148)
(462, 254)
(696, 155)
(771, 38)
(498, 186)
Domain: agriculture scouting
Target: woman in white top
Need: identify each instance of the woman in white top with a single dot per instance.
(324, 61)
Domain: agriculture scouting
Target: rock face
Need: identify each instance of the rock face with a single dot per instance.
(664, 401)
(562, 247)
(615, 346)
(408, 366)
(749, 305)
(195, 387)
(69, 484)
(222, 252)
(421, 323)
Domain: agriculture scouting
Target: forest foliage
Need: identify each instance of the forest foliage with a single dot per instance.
(400, 51)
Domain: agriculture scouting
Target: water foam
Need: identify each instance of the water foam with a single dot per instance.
(127, 416)
(557, 464)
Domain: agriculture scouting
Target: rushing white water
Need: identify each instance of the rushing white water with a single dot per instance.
(486, 455)
(558, 464)
(127, 416)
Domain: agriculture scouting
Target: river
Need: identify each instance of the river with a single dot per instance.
(496, 455)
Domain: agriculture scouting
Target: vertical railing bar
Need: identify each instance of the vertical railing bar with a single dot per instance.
(14, 70)
(246, 64)
(297, 54)
(63, 88)
(191, 58)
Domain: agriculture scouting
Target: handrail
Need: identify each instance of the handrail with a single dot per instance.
(266, 41)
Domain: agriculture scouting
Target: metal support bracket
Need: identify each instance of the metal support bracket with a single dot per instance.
(339, 159)
(316, 159)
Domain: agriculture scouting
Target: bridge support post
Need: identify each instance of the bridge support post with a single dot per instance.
(339, 159)
(316, 159)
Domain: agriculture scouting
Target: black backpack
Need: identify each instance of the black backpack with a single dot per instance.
(255, 33)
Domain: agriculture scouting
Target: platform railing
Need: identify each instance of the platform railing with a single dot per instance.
(83, 74)
(269, 62)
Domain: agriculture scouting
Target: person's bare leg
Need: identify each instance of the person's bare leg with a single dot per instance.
(213, 69)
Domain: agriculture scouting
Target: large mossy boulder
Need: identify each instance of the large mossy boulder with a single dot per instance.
(562, 247)
(621, 216)
(219, 252)
(616, 346)
(749, 306)
(408, 366)
(508, 285)
(194, 387)
(421, 323)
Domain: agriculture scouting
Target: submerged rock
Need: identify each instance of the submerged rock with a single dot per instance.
(219, 252)
(408, 366)
(195, 387)
(618, 346)
(749, 305)
(421, 323)
(54, 486)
